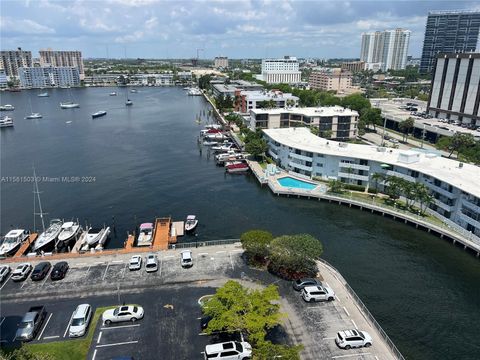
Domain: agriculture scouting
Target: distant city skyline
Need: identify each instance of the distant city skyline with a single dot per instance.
(244, 29)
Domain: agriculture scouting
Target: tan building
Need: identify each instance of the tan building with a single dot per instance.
(12, 60)
(63, 58)
(220, 62)
(353, 66)
(332, 79)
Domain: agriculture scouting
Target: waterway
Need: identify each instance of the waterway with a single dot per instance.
(143, 161)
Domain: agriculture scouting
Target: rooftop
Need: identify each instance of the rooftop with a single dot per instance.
(266, 95)
(310, 111)
(446, 170)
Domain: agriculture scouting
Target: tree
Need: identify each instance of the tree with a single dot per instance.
(371, 116)
(423, 196)
(265, 350)
(204, 82)
(377, 177)
(24, 353)
(405, 127)
(336, 186)
(327, 134)
(394, 186)
(356, 102)
(250, 311)
(458, 142)
(255, 243)
(256, 147)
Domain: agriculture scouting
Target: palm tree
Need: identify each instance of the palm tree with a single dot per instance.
(377, 177)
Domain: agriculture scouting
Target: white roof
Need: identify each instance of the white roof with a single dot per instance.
(267, 95)
(68, 224)
(465, 178)
(14, 233)
(310, 111)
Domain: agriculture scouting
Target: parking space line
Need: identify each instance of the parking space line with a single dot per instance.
(328, 338)
(124, 270)
(202, 254)
(220, 252)
(44, 281)
(213, 262)
(115, 344)
(105, 273)
(236, 251)
(5, 282)
(168, 257)
(51, 337)
(99, 337)
(45, 326)
(231, 261)
(68, 325)
(119, 327)
(346, 311)
(100, 262)
(353, 322)
(161, 264)
(117, 262)
(87, 271)
(94, 354)
(3, 319)
(23, 284)
(81, 264)
(350, 355)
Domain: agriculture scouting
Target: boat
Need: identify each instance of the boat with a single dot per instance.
(113, 93)
(133, 90)
(216, 136)
(6, 121)
(145, 236)
(7, 107)
(237, 167)
(99, 113)
(49, 236)
(210, 142)
(44, 94)
(213, 126)
(34, 116)
(70, 230)
(191, 223)
(69, 105)
(225, 147)
(97, 235)
(194, 92)
(12, 241)
(128, 102)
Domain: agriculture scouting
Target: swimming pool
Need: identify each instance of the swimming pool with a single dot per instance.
(295, 183)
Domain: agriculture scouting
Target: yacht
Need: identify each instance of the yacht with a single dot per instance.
(12, 241)
(69, 105)
(44, 94)
(34, 116)
(97, 235)
(225, 147)
(194, 92)
(7, 107)
(128, 102)
(99, 113)
(133, 90)
(191, 223)
(145, 236)
(70, 230)
(49, 236)
(6, 121)
(113, 93)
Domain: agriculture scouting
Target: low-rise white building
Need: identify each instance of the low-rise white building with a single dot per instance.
(286, 71)
(248, 100)
(454, 185)
(336, 121)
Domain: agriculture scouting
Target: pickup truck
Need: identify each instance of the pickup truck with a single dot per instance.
(31, 323)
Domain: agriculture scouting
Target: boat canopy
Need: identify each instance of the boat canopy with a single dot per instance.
(68, 225)
(146, 226)
(191, 217)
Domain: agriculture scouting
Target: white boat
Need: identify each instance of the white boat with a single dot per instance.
(97, 235)
(216, 136)
(12, 241)
(6, 121)
(49, 236)
(34, 116)
(7, 107)
(99, 113)
(133, 90)
(210, 142)
(70, 230)
(191, 223)
(113, 93)
(69, 105)
(223, 147)
(128, 102)
(145, 236)
(45, 94)
(194, 92)
(213, 126)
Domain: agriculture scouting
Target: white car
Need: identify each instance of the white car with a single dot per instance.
(123, 313)
(231, 350)
(151, 263)
(186, 258)
(317, 293)
(348, 339)
(80, 320)
(135, 263)
(4, 271)
(21, 272)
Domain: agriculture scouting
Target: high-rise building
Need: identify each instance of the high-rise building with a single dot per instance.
(286, 70)
(12, 60)
(39, 77)
(221, 62)
(455, 93)
(449, 32)
(63, 59)
(389, 47)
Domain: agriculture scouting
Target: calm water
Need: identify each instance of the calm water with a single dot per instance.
(145, 162)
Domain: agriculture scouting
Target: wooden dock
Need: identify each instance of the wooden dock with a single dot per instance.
(161, 234)
(25, 245)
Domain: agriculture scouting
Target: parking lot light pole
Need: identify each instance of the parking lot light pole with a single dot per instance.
(384, 127)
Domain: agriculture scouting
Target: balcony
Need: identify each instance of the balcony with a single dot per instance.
(470, 220)
(468, 204)
(352, 176)
(440, 190)
(354, 166)
(272, 154)
(300, 166)
(442, 205)
(300, 157)
(400, 175)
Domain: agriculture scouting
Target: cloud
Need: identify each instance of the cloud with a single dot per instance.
(10, 26)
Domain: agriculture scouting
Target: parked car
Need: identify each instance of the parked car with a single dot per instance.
(151, 263)
(299, 284)
(348, 339)
(317, 293)
(21, 272)
(59, 270)
(204, 322)
(186, 258)
(31, 323)
(231, 350)
(80, 320)
(135, 263)
(40, 271)
(4, 271)
(123, 313)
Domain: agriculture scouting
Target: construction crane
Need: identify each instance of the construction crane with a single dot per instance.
(195, 61)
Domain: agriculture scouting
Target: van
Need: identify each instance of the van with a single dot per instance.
(80, 320)
(231, 350)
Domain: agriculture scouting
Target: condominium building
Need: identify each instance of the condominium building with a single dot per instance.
(221, 89)
(221, 62)
(333, 122)
(449, 32)
(3, 79)
(453, 185)
(331, 79)
(455, 92)
(12, 60)
(248, 100)
(389, 47)
(286, 70)
(63, 59)
(353, 66)
(39, 77)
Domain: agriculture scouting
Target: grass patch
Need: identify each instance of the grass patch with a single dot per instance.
(71, 349)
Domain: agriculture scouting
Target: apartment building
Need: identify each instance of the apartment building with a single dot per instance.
(39, 77)
(221, 89)
(63, 59)
(449, 32)
(286, 71)
(12, 60)
(353, 66)
(333, 122)
(332, 79)
(248, 100)
(453, 185)
(221, 62)
(455, 92)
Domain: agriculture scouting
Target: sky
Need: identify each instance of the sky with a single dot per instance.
(237, 29)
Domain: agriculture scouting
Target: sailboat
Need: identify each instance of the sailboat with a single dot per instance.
(128, 102)
(69, 104)
(32, 114)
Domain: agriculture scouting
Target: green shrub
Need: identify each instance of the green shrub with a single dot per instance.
(354, 187)
(372, 191)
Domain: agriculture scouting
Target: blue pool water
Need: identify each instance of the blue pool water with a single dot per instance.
(295, 183)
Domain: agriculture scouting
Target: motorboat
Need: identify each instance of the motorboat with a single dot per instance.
(6, 121)
(7, 107)
(97, 235)
(145, 236)
(216, 136)
(191, 223)
(12, 241)
(223, 147)
(113, 93)
(236, 167)
(194, 92)
(128, 102)
(45, 94)
(229, 156)
(99, 113)
(206, 132)
(70, 230)
(69, 105)
(213, 126)
(133, 90)
(34, 116)
(210, 142)
(49, 236)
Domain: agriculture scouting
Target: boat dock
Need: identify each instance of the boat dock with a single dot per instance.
(26, 245)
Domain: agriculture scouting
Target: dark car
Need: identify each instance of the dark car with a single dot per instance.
(59, 270)
(204, 322)
(40, 271)
(299, 284)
